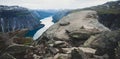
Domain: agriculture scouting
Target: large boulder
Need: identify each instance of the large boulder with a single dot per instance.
(105, 43)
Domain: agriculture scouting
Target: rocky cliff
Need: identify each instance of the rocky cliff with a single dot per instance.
(15, 18)
(108, 14)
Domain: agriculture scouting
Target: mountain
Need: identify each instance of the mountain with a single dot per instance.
(57, 14)
(60, 14)
(15, 18)
(41, 14)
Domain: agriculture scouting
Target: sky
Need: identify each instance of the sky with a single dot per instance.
(53, 4)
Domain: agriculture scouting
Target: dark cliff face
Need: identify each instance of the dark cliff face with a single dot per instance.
(109, 14)
(16, 18)
(111, 21)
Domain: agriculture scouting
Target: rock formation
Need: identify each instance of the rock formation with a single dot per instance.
(75, 25)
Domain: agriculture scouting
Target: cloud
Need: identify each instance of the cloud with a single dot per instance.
(53, 4)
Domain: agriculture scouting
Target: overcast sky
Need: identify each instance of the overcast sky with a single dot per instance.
(54, 4)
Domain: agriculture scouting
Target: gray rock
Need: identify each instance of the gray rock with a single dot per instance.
(104, 43)
(101, 57)
(60, 44)
(77, 54)
(84, 49)
(106, 40)
(89, 41)
(62, 56)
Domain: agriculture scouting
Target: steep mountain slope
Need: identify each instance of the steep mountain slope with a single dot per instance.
(16, 18)
(41, 14)
(60, 14)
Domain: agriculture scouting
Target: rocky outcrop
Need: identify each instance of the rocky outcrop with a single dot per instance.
(76, 26)
(15, 18)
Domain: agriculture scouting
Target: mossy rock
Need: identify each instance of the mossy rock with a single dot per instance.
(24, 41)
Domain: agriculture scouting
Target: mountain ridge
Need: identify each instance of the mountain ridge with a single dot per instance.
(15, 18)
